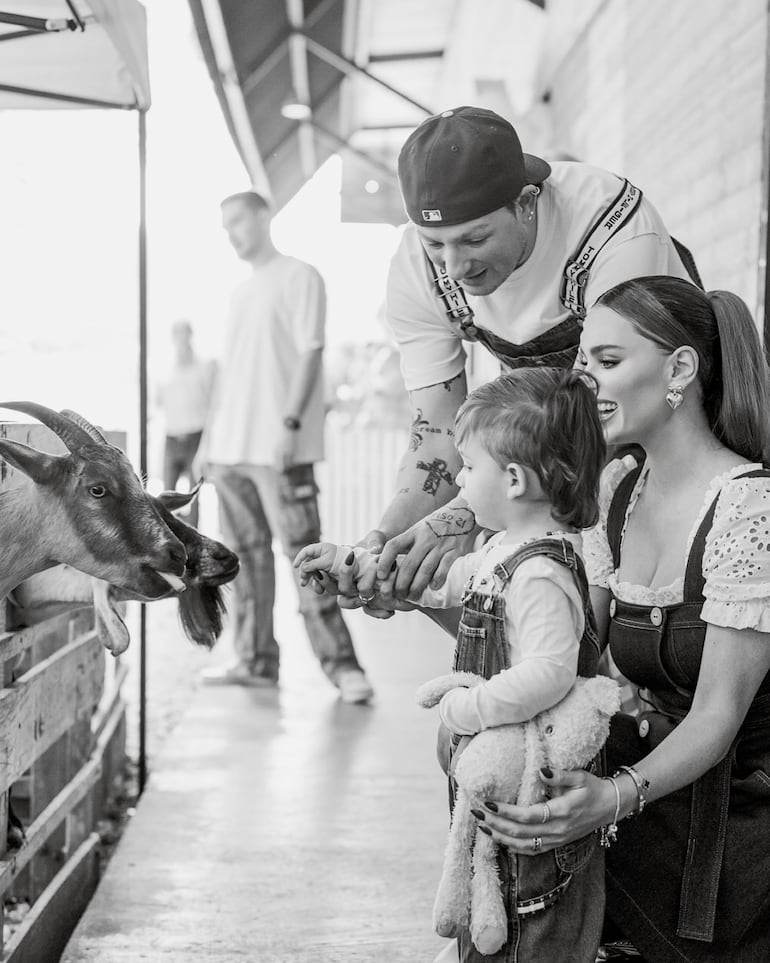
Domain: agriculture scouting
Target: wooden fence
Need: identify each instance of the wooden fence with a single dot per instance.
(62, 745)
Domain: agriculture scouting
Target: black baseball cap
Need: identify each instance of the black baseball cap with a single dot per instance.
(462, 164)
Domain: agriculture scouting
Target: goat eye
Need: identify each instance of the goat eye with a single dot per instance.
(98, 491)
(549, 730)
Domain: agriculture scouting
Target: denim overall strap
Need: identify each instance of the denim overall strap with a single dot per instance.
(710, 797)
(561, 551)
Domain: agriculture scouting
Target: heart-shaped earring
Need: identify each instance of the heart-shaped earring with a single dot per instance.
(674, 396)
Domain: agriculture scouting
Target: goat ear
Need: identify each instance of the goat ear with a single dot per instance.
(41, 467)
(173, 501)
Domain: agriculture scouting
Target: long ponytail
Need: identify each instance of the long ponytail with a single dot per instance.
(742, 421)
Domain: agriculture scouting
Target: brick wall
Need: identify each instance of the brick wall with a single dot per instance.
(672, 95)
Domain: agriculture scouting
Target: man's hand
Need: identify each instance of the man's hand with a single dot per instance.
(286, 449)
(424, 553)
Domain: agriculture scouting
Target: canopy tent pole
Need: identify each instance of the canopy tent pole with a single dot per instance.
(142, 428)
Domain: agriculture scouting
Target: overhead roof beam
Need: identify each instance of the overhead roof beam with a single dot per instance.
(279, 50)
(301, 84)
(349, 67)
(403, 56)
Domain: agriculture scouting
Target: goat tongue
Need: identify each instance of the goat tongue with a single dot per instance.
(174, 581)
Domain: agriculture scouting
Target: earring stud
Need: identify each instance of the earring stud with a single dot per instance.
(674, 396)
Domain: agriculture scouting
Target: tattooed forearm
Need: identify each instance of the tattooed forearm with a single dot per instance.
(454, 521)
(421, 426)
(437, 472)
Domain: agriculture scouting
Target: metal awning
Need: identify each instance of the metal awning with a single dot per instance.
(358, 73)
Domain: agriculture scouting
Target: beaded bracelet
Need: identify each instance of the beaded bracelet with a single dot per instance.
(641, 784)
(609, 834)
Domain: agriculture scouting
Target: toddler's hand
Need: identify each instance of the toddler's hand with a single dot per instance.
(318, 557)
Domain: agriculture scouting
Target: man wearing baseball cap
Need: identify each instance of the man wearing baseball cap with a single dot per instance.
(507, 250)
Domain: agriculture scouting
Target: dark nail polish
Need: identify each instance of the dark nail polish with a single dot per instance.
(485, 829)
(546, 771)
(350, 559)
(492, 807)
(318, 577)
(477, 813)
(394, 566)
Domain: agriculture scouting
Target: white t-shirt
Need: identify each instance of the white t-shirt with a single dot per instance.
(527, 303)
(185, 396)
(275, 316)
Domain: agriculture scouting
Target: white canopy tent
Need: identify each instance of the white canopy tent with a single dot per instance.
(73, 53)
(87, 54)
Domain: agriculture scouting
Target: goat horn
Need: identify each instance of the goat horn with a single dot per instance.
(85, 425)
(73, 436)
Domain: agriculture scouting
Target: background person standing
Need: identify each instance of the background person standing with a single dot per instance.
(263, 436)
(184, 398)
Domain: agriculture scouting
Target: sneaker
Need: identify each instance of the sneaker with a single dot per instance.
(236, 673)
(354, 686)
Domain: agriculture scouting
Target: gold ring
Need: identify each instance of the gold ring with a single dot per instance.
(546, 812)
(537, 844)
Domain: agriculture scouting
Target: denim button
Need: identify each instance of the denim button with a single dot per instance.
(656, 616)
(612, 608)
(644, 727)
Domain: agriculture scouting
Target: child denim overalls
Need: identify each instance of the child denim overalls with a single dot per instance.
(688, 879)
(555, 901)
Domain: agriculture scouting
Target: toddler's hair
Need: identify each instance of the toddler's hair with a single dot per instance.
(546, 419)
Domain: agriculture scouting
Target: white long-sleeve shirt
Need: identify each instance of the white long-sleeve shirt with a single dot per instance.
(544, 623)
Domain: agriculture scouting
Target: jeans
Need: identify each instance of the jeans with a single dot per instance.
(256, 504)
(177, 461)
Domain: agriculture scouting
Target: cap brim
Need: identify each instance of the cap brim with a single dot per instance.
(536, 169)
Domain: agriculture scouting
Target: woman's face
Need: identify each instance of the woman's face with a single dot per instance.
(632, 373)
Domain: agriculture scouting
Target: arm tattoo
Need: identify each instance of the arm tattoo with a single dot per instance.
(418, 426)
(448, 384)
(437, 472)
(454, 521)
(422, 426)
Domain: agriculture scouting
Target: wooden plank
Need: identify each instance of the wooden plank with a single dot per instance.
(40, 706)
(43, 935)
(62, 804)
(15, 644)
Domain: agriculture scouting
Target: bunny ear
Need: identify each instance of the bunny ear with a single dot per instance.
(531, 789)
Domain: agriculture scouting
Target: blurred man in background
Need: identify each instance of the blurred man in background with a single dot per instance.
(265, 432)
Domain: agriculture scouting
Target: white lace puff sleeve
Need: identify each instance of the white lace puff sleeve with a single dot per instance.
(596, 549)
(736, 561)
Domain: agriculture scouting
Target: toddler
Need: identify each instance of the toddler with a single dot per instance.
(532, 448)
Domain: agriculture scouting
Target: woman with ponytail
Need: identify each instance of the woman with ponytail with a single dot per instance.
(680, 571)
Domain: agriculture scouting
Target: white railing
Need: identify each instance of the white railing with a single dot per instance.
(358, 478)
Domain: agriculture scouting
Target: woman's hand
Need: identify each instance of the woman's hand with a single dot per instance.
(580, 804)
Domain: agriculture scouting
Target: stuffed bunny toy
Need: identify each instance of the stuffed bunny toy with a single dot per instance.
(503, 764)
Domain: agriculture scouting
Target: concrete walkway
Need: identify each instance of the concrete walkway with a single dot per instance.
(286, 827)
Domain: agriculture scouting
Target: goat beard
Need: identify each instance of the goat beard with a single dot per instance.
(201, 613)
